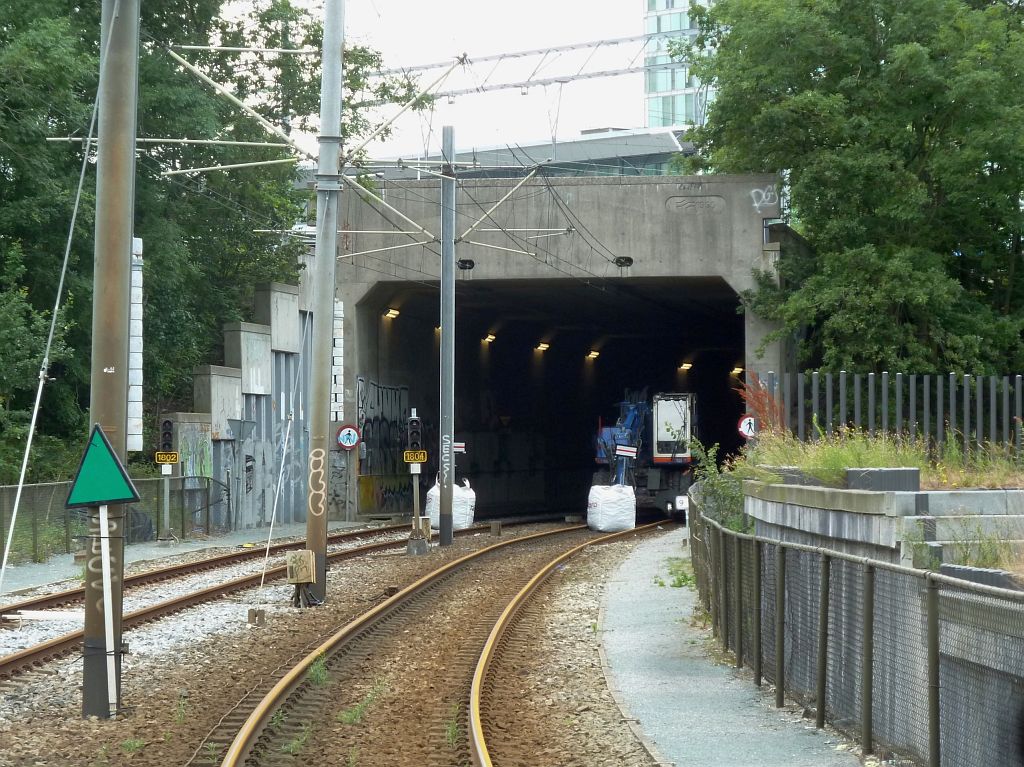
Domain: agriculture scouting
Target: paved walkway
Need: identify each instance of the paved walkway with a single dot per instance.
(62, 566)
(695, 711)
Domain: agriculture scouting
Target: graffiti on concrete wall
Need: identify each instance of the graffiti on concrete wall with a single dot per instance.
(383, 484)
(385, 495)
(383, 411)
(195, 444)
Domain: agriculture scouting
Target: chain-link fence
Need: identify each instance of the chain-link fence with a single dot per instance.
(44, 527)
(925, 668)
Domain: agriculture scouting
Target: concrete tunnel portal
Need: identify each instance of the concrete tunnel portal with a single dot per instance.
(529, 417)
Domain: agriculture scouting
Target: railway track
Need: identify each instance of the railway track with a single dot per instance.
(73, 596)
(401, 684)
(40, 654)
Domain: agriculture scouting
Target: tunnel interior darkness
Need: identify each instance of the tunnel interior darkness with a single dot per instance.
(529, 416)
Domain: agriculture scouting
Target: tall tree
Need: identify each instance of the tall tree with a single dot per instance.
(204, 252)
(899, 127)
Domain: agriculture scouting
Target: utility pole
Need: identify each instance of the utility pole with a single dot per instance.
(326, 250)
(447, 333)
(108, 381)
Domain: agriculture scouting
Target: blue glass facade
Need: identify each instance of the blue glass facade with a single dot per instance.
(675, 98)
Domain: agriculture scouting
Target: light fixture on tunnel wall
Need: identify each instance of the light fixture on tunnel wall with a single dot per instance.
(594, 354)
(391, 313)
(465, 264)
(543, 347)
(623, 261)
(489, 337)
(686, 366)
(737, 370)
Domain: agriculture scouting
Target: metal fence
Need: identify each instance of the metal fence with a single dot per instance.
(970, 409)
(923, 667)
(44, 527)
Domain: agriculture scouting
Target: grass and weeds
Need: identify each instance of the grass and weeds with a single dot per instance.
(132, 745)
(354, 714)
(680, 572)
(318, 671)
(451, 727)
(296, 744)
(827, 457)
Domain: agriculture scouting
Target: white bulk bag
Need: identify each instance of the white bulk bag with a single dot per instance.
(463, 506)
(611, 508)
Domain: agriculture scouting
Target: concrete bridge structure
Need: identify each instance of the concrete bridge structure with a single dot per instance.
(645, 271)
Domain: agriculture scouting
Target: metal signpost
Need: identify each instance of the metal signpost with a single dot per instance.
(415, 456)
(165, 460)
(101, 480)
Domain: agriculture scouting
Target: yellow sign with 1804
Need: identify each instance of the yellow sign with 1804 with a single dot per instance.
(415, 456)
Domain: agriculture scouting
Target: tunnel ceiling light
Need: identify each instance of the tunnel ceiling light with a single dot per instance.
(686, 366)
(593, 354)
(489, 337)
(465, 264)
(623, 261)
(391, 313)
(737, 370)
(541, 347)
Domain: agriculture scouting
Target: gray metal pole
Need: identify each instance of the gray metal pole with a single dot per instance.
(447, 334)
(823, 609)
(868, 663)
(934, 740)
(108, 381)
(780, 627)
(325, 252)
(756, 599)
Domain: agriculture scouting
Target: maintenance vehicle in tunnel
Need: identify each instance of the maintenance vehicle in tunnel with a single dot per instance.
(648, 448)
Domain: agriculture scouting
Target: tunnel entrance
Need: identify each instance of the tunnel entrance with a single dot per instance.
(528, 414)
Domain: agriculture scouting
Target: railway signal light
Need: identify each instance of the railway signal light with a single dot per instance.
(167, 435)
(414, 431)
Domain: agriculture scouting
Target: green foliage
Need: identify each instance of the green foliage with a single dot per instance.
(898, 128)
(203, 253)
(721, 490)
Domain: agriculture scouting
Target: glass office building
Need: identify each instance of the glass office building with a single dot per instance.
(675, 98)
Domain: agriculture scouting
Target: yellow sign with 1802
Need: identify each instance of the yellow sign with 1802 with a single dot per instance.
(167, 457)
(415, 456)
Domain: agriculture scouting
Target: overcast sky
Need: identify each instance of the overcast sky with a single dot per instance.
(411, 32)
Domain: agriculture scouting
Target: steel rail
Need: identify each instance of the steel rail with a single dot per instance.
(249, 733)
(70, 596)
(37, 655)
(477, 743)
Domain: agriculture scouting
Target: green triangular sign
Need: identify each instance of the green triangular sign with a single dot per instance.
(101, 478)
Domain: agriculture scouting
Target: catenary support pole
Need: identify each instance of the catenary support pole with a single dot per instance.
(447, 408)
(325, 252)
(115, 194)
